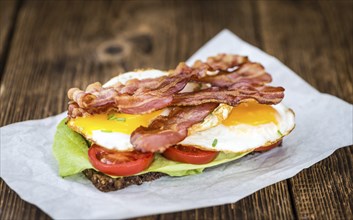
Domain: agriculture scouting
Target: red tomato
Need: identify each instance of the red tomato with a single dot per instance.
(189, 154)
(269, 147)
(119, 163)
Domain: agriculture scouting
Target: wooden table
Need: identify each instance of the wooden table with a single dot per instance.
(49, 47)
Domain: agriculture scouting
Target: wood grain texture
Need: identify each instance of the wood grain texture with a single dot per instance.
(272, 202)
(317, 46)
(62, 44)
(325, 191)
(8, 12)
(320, 51)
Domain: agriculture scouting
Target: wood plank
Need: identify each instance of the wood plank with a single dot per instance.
(315, 40)
(8, 10)
(8, 14)
(269, 203)
(324, 191)
(80, 43)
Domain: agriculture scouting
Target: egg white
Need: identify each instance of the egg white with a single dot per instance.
(114, 140)
(243, 137)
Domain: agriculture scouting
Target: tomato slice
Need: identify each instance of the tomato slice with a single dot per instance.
(118, 163)
(189, 154)
(269, 147)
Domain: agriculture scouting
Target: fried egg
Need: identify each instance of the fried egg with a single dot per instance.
(242, 128)
(230, 129)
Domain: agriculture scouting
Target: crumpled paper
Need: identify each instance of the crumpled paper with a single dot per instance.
(324, 124)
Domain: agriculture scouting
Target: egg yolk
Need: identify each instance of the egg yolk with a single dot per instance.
(116, 122)
(251, 113)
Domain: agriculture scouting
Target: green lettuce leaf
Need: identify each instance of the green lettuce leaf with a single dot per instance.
(71, 151)
(172, 168)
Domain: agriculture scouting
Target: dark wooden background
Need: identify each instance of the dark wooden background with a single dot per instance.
(47, 47)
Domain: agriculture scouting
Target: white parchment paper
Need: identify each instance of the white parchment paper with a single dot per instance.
(324, 124)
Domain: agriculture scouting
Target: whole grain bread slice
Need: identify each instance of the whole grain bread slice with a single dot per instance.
(106, 183)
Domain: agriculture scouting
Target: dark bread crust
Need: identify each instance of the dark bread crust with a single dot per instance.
(106, 183)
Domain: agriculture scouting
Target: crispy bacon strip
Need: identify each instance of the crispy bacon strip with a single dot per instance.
(166, 131)
(142, 104)
(133, 85)
(95, 95)
(225, 61)
(166, 84)
(233, 95)
(148, 96)
(221, 62)
(250, 71)
(139, 104)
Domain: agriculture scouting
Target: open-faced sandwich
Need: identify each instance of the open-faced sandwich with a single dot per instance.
(144, 124)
